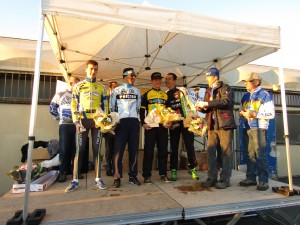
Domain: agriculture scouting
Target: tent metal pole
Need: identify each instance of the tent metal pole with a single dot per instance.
(34, 103)
(285, 123)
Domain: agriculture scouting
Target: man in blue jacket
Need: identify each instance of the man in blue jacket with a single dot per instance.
(257, 108)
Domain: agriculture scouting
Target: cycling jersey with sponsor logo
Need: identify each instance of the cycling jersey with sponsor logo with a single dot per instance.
(60, 107)
(153, 99)
(126, 101)
(88, 96)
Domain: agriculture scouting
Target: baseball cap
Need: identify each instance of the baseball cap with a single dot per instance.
(128, 71)
(251, 76)
(156, 75)
(213, 72)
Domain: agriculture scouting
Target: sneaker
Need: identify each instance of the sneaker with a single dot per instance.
(173, 174)
(222, 184)
(147, 180)
(262, 186)
(209, 182)
(194, 174)
(248, 182)
(100, 184)
(134, 181)
(165, 178)
(62, 178)
(117, 183)
(73, 186)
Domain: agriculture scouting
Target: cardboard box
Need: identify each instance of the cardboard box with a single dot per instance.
(40, 154)
(39, 184)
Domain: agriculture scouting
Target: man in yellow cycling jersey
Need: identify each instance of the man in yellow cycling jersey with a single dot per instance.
(88, 96)
(155, 98)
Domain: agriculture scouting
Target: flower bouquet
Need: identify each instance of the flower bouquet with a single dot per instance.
(153, 118)
(169, 116)
(19, 173)
(198, 126)
(106, 122)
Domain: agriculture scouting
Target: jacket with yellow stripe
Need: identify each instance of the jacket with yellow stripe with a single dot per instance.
(152, 99)
(88, 95)
(261, 102)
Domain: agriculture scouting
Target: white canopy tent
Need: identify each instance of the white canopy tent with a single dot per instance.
(150, 39)
(147, 38)
(270, 76)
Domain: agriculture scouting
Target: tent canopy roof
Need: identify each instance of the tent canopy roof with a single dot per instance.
(149, 39)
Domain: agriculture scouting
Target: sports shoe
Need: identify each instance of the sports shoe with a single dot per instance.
(262, 186)
(165, 178)
(147, 180)
(209, 182)
(248, 182)
(173, 174)
(194, 173)
(222, 184)
(62, 178)
(117, 183)
(100, 184)
(134, 181)
(73, 186)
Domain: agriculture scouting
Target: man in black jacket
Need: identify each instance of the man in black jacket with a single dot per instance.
(174, 102)
(218, 106)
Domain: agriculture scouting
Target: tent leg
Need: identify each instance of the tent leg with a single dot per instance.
(34, 102)
(285, 123)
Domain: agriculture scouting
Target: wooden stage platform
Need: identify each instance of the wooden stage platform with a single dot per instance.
(157, 202)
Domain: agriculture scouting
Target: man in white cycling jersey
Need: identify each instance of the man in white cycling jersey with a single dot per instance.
(126, 101)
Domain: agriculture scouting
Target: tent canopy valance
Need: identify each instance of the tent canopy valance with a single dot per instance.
(150, 39)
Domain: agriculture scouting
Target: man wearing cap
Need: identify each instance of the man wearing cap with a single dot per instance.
(257, 108)
(126, 101)
(218, 106)
(154, 98)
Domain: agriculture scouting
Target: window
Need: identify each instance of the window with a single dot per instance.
(16, 88)
(294, 128)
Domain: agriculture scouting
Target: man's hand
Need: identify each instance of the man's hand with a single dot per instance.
(248, 114)
(79, 128)
(200, 105)
(167, 125)
(147, 126)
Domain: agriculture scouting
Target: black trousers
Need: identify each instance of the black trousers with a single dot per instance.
(188, 138)
(89, 125)
(158, 136)
(127, 132)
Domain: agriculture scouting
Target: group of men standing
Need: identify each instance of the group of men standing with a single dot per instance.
(88, 95)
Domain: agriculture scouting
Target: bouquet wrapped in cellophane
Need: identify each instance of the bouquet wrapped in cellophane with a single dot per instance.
(106, 122)
(18, 173)
(198, 126)
(153, 118)
(169, 116)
